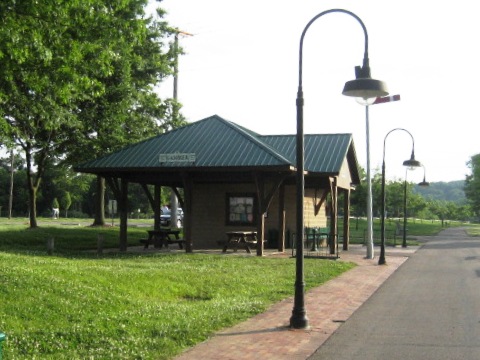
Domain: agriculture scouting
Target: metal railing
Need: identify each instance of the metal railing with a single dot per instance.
(317, 243)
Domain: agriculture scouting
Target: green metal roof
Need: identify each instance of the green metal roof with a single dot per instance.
(324, 153)
(218, 143)
(214, 141)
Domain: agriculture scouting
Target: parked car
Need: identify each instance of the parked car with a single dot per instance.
(166, 215)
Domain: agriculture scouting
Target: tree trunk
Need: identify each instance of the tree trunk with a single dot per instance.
(123, 210)
(32, 203)
(10, 199)
(100, 203)
(32, 184)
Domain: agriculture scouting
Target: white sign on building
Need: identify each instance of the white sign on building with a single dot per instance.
(177, 157)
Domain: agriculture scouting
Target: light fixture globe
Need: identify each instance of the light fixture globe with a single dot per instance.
(365, 102)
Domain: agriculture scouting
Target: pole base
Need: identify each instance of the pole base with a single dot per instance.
(299, 320)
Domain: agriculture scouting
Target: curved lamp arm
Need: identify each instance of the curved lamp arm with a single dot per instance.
(365, 55)
(412, 162)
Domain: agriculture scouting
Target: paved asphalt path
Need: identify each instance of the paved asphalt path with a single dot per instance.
(428, 309)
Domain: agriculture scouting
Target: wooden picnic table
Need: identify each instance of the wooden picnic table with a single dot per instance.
(243, 238)
(162, 237)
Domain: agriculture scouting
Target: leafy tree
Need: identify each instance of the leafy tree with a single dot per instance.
(19, 193)
(446, 204)
(464, 213)
(450, 191)
(66, 202)
(472, 184)
(41, 72)
(128, 110)
(439, 208)
(416, 204)
(358, 198)
(77, 70)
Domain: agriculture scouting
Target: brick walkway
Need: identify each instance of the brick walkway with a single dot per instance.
(268, 336)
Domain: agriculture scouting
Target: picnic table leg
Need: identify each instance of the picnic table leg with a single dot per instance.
(232, 241)
(162, 240)
(148, 241)
(180, 246)
(244, 240)
(226, 245)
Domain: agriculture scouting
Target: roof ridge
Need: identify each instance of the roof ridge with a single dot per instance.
(256, 139)
(318, 134)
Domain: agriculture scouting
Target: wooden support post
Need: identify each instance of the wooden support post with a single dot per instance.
(260, 185)
(346, 219)
(187, 214)
(123, 205)
(281, 219)
(333, 215)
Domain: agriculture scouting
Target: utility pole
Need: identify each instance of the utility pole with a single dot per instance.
(175, 70)
(173, 196)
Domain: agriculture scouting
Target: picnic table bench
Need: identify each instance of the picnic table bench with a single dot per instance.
(162, 237)
(242, 238)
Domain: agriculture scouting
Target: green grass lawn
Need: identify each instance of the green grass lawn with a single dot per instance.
(415, 227)
(77, 305)
(80, 305)
(473, 230)
(70, 235)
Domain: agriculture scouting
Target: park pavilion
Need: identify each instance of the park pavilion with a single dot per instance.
(230, 178)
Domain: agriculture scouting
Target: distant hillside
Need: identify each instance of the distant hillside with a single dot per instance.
(449, 191)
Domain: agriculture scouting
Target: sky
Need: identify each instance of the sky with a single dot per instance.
(241, 62)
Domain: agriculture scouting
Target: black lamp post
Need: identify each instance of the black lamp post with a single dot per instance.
(409, 163)
(364, 87)
(423, 184)
(404, 240)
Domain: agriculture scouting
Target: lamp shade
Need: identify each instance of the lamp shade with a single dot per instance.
(412, 163)
(365, 88)
(424, 183)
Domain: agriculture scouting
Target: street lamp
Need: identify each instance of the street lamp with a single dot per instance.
(367, 103)
(423, 184)
(362, 87)
(409, 163)
(369, 242)
(404, 241)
